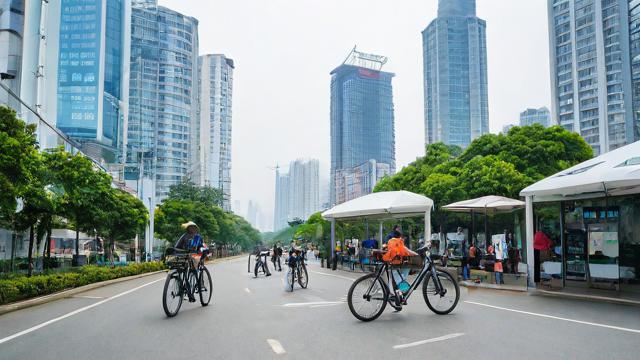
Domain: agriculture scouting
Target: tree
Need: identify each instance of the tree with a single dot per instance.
(121, 217)
(207, 195)
(171, 214)
(18, 161)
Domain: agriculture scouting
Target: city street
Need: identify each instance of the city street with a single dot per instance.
(255, 318)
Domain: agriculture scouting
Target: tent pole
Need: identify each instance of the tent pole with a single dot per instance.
(486, 229)
(333, 242)
(427, 226)
(380, 235)
(473, 225)
(529, 239)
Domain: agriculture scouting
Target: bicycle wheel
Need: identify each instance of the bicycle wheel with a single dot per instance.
(172, 295)
(367, 306)
(205, 287)
(292, 277)
(255, 270)
(445, 303)
(193, 282)
(303, 276)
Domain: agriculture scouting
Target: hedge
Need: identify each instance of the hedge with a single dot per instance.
(20, 288)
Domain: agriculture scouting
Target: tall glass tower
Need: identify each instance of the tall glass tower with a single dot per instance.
(590, 70)
(212, 157)
(162, 95)
(93, 42)
(362, 116)
(456, 109)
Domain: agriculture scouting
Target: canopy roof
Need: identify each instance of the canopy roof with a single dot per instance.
(614, 173)
(382, 205)
(491, 203)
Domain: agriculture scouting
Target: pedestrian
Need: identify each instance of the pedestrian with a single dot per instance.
(397, 229)
(541, 242)
(514, 254)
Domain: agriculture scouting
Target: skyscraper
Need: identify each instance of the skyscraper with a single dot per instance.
(297, 192)
(11, 35)
(362, 115)
(634, 41)
(535, 116)
(456, 109)
(92, 93)
(212, 156)
(590, 71)
(163, 95)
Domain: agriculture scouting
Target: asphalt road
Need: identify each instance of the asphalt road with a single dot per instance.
(253, 318)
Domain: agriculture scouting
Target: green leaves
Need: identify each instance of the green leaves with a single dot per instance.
(491, 165)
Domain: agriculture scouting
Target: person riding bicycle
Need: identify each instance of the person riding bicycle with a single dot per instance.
(191, 239)
(275, 257)
(396, 250)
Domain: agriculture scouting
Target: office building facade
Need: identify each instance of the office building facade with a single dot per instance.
(590, 71)
(211, 160)
(456, 109)
(297, 192)
(359, 180)
(163, 95)
(634, 48)
(11, 35)
(362, 115)
(540, 116)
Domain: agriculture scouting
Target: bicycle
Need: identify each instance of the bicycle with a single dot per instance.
(261, 264)
(297, 270)
(185, 278)
(369, 295)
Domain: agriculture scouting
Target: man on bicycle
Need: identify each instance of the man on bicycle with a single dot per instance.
(275, 257)
(192, 242)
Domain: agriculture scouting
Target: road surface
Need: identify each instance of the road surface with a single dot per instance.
(254, 318)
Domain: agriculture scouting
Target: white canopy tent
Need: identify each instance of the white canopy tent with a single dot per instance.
(614, 173)
(381, 206)
(486, 204)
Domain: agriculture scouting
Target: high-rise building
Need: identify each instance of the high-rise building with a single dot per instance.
(92, 63)
(634, 41)
(75, 59)
(354, 182)
(11, 35)
(297, 192)
(212, 157)
(456, 109)
(590, 71)
(163, 95)
(362, 115)
(540, 116)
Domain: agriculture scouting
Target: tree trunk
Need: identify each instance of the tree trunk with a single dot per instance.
(111, 249)
(77, 240)
(49, 231)
(30, 256)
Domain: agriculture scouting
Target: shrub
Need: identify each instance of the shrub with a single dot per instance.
(21, 287)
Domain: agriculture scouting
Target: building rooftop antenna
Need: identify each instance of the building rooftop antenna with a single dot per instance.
(364, 60)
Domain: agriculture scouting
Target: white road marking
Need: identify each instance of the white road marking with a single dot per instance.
(315, 303)
(325, 305)
(34, 328)
(276, 346)
(422, 342)
(247, 290)
(88, 297)
(338, 276)
(557, 317)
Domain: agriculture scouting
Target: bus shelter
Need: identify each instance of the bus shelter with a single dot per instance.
(380, 206)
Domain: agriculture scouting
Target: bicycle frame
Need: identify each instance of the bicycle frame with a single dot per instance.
(428, 267)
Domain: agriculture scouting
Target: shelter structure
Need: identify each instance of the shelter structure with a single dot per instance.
(591, 213)
(381, 206)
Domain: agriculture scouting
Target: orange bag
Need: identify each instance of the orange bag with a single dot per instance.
(395, 251)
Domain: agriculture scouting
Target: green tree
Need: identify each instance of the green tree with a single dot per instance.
(186, 190)
(171, 214)
(121, 218)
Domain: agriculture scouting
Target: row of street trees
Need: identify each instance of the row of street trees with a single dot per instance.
(202, 205)
(492, 165)
(59, 188)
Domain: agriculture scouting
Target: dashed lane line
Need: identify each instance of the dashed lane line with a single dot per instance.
(427, 341)
(337, 276)
(46, 323)
(276, 346)
(556, 317)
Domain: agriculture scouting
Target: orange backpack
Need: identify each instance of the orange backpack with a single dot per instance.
(395, 251)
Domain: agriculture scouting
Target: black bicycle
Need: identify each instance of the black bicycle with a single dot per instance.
(369, 295)
(297, 270)
(261, 265)
(186, 278)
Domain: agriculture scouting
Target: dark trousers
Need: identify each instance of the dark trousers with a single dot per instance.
(536, 266)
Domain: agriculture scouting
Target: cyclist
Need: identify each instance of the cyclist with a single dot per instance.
(191, 239)
(277, 253)
(396, 249)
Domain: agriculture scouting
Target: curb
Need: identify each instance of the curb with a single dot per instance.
(595, 298)
(492, 286)
(4, 309)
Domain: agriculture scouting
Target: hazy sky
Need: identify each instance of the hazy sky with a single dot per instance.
(284, 50)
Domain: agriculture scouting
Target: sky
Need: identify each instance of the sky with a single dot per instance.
(284, 51)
